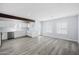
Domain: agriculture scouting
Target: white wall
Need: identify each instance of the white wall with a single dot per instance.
(35, 29)
(0, 11)
(49, 28)
(78, 28)
(0, 39)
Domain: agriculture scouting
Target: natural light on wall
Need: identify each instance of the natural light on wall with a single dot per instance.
(62, 28)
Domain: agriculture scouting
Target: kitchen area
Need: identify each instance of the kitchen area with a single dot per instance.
(11, 28)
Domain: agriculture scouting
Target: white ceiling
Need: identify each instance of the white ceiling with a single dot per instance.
(40, 11)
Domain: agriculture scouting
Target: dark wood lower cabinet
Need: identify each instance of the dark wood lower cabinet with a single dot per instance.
(10, 35)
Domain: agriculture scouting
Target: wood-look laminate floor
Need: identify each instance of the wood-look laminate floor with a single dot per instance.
(39, 46)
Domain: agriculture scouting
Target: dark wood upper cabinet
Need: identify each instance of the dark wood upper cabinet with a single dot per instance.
(15, 17)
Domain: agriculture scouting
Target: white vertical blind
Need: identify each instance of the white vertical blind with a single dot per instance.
(61, 28)
(65, 28)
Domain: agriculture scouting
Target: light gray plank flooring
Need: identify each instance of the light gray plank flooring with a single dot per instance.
(39, 46)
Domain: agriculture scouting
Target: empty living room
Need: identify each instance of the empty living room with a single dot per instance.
(39, 28)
